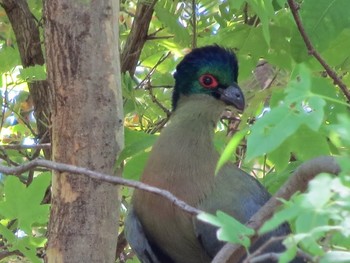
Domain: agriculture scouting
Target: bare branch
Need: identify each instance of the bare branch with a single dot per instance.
(258, 253)
(194, 24)
(99, 176)
(156, 101)
(5, 254)
(25, 146)
(160, 37)
(259, 256)
(312, 51)
(150, 73)
(149, 87)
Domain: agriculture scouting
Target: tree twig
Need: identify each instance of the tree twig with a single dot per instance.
(25, 146)
(149, 87)
(5, 254)
(150, 73)
(156, 101)
(101, 177)
(312, 51)
(194, 24)
(259, 256)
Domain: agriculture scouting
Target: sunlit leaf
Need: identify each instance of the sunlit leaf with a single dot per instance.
(230, 230)
(230, 149)
(24, 203)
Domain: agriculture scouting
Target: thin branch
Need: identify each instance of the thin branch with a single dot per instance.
(159, 37)
(61, 167)
(20, 117)
(259, 256)
(260, 250)
(5, 254)
(25, 146)
(156, 101)
(312, 51)
(4, 156)
(153, 36)
(162, 86)
(149, 87)
(150, 73)
(159, 125)
(194, 24)
(267, 257)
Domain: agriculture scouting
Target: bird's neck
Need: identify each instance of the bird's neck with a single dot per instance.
(185, 149)
(197, 109)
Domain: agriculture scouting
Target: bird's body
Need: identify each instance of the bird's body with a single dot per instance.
(196, 137)
(183, 161)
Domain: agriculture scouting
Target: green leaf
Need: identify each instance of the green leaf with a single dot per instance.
(265, 11)
(289, 212)
(340, 132)
(21, 244)
(135, 142)
(281, 3)
(170, 20)
(134, 167)
(341, 42)
(127, 86)
(9, 58)
(274, 180)
(281, 156)
(324, 20)
(230, 230)
(236, 4)
(288, 255)
(271, 130)
(322, 181)
(336, 257)
(299, 107)
(230, 149)
(24, 203)
(37, 72)
(307, 144)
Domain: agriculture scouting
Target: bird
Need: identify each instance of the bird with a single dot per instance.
(183, 161)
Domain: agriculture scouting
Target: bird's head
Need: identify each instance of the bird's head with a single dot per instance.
(210, 70)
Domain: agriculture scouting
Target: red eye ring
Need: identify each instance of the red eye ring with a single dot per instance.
(208, 81)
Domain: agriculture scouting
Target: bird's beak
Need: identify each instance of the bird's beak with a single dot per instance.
(233, 95)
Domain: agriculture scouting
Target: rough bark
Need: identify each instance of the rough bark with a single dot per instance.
(28, 41)
(137, 37)
(83, 68)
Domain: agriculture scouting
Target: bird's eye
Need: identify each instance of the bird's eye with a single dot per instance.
(208, 81)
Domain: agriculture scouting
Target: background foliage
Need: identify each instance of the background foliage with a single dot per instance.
(295, 112)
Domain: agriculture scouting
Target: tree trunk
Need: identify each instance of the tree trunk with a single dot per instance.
(83, 68)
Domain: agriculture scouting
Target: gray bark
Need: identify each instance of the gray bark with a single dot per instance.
(83, 68)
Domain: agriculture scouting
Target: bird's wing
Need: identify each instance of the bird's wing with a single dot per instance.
(235, 193)
(137, 239)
